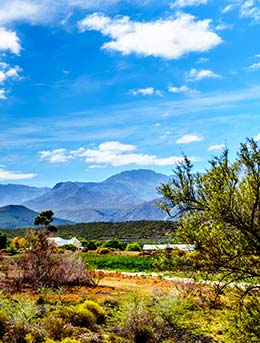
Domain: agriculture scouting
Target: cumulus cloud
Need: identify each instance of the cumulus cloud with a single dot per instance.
(2, 94)
(257, 137)
(216, 147)
(254, 66)
(190, 138)
(197, 75)
(145, 91)
(7, 72)
(9, 41)
(6, 175)
(250, 9)
(181, 89)
(111, 153)
(186, 3)
(166, 38)
(55, 156)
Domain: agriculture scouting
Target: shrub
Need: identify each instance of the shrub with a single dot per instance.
(78, 316)
(3, 240)
(104, 251)
(114, 243)
(43, 267)
(135, 246)
(70, 247)
(245, 323)
(92, 244)
(3, 323)
(96, 309)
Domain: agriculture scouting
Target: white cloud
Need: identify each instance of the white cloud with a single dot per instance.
(9, 175)
(2, 94)
(9, 41)
(111, 153)
(190, 138)
(227, 8)
(186, 3)
(145, 91)
(202, 60)
(166, 38)
(254, 66)
(55, 156)
(181, 89)
(197, 75)
(257, 137)
(216, 147)
(9, 72)
(250, 9)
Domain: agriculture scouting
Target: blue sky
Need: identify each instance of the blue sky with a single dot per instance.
(89, 88)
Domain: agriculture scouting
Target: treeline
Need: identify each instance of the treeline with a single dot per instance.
(142, 231)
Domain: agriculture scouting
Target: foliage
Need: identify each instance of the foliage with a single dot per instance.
(135, 246)
(119, 262)
(114, 244)
(141, 231)
(45, 219)
(245, 323)
(18, 242)
(220, 210)
(3, 240)
(42, 267)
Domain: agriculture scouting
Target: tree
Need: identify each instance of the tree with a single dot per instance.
(220, 210)
(45, 219)
(3, 240)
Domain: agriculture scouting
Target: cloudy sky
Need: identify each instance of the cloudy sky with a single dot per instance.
(89, 88)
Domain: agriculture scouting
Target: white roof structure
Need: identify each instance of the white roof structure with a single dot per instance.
(60, 242)
(183, 247)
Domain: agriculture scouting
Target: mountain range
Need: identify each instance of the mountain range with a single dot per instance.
(126, 196)
(17, 216)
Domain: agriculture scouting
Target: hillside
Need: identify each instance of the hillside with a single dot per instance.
(17, 216)
(143, 231)
(125, 196)
(17, 194)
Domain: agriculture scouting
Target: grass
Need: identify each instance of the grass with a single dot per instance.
(127, 263)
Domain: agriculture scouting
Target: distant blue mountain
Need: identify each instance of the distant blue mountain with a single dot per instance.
(17, 216)
(17, 194)
(121, 197)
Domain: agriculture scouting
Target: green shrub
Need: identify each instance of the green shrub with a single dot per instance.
(135, 246)
(245, 322)
(70, 247)
(96, 309)
(114, 243)
(55, 327)
(104, 251)
(92, 244)
(3, 322)
(78, 316)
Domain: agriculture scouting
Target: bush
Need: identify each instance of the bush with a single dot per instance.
(43, 267)
(92, 245)
(78, 316)
(114, 244)
(96, 309)
(104, 251)
(245, 324)
(3, 323)
(135, 246)
(3, 240)
(70, 247)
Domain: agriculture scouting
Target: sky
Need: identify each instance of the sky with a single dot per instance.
(90, 88)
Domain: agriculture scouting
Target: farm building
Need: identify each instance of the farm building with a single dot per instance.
(60, 242)
(183, 247)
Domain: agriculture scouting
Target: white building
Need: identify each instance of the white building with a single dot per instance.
(60, 242)
(183, 247)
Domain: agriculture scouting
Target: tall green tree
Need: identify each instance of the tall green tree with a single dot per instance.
(45, 219)
(220, 210)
